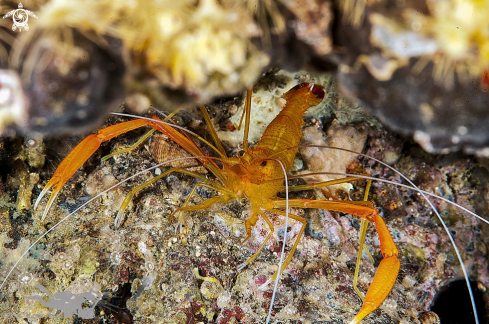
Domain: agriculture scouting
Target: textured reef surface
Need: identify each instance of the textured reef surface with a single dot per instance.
(150, 272)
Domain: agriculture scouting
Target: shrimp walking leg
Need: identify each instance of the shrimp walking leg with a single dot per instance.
(135, 190)
(132, 147)
(363, 231)
(179, 214)
(249, 223)
(294, 247)
(205, 204)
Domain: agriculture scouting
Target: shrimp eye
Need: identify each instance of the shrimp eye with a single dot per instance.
(264, 163)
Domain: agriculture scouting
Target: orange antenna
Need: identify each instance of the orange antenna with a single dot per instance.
(247, 112)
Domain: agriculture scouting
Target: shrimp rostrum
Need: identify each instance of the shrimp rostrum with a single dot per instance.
(257, 174)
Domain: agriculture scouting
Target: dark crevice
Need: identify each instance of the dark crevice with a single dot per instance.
(453, 306)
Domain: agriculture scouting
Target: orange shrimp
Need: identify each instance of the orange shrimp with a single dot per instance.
(257, 174)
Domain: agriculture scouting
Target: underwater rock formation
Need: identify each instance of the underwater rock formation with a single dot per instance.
(191, 276)
(421, 67)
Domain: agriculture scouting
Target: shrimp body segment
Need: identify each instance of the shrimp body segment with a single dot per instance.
(258, 175)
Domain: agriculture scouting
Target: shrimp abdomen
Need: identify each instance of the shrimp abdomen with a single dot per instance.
(286, 129)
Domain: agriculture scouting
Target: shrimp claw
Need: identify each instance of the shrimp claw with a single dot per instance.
(386, 274)
(80, 155)
(388, 269)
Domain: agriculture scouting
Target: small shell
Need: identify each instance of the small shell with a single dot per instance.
(163, 149)
(428, 318)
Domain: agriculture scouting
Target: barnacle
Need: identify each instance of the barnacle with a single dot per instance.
(35, 152)
(115, 257)
(24, 279)
(114, 244)
(64, 261)
(149, 266)
(114, 238)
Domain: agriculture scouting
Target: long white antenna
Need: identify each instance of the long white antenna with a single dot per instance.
(275, 286)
